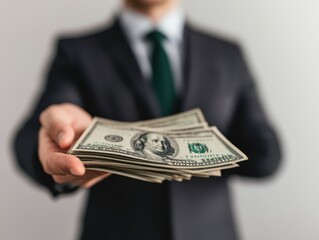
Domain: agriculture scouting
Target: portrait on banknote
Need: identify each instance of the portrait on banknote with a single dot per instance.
(155, 146)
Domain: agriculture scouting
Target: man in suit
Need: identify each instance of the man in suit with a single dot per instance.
(148, 64)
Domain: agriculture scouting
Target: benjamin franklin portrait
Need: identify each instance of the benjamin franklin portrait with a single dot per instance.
(154, 146)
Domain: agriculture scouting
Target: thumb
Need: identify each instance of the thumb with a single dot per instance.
(64, 136)
(58, 124)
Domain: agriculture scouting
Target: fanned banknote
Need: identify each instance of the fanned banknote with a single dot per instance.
(171, 148)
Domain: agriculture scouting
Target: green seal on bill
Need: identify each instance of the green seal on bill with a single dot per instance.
(197, 148)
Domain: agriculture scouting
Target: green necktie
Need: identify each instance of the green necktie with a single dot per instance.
(162, 76)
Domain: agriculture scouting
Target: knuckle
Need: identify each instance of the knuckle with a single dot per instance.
(47, 164)
(42, 159)
(41, 134)
(42, 117)
(67, 105)
(53, 107)
(47, 113)
(47, 110)
(47, 169)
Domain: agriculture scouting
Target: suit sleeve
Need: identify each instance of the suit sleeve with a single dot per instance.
(61, 86)
(250, 129)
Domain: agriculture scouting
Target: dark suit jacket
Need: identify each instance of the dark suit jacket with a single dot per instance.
(99, 73)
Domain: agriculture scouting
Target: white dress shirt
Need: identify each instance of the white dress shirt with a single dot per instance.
(136, 26)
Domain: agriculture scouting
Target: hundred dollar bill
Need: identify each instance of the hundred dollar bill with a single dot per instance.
(100, 161)
(189, 150)
(147, 174)
(167, 174)
(174, 127)
(179, 120)
(128, 174)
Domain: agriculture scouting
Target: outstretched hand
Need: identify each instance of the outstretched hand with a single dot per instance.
(61, 125)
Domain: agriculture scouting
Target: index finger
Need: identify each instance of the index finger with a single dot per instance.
(58, 124)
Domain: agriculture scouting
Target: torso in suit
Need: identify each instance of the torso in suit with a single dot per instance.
(99, 73)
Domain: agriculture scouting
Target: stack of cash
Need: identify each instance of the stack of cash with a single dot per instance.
(176, 147)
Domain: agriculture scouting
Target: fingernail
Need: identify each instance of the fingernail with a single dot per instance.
(60, 136)
(76, 172)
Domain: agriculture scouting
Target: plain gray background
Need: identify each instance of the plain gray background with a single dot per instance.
(280, 39)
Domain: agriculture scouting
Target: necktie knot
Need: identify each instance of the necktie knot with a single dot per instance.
(155, 36)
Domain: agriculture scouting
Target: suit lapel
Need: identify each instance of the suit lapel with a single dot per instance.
(200, 70)
(195, 71)
(191, 66)
(126, 63)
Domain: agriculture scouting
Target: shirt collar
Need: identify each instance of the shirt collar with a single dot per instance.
(137, 25)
